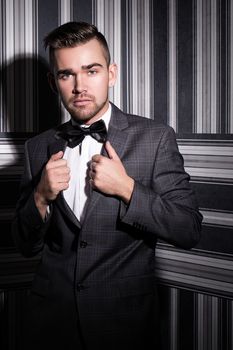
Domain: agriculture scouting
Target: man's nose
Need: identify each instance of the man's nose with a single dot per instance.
(79, 84)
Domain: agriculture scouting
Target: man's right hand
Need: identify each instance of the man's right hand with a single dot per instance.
(54, 179)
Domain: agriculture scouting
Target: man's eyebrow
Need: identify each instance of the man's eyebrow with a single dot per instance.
(70, 71)
(89, 66)
(64, 71)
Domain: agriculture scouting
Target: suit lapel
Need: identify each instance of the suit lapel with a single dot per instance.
(117, 133)
(117, 136)
(56, 146)
(63, 205)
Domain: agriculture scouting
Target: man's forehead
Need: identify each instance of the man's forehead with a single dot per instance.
(83, 54)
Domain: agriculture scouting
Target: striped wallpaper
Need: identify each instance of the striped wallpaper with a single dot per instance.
(102, 12)
(175, 60)
(210, 43)
(19, 39)
(130, 30)
(65, 14)
(175, 65)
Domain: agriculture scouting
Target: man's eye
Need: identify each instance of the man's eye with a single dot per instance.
(64, 76)
(92, 72)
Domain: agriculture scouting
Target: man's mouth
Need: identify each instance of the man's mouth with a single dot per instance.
(81, 102)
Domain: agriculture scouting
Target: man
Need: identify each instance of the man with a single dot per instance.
(95, 204)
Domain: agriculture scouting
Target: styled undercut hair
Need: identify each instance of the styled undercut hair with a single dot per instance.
(71, 34)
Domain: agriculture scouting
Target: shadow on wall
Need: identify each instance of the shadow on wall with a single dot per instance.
(29, 107)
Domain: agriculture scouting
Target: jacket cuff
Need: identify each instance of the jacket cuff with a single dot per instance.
(30, 215)
(131, 214)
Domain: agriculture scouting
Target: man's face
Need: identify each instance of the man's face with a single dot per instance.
(82, 79)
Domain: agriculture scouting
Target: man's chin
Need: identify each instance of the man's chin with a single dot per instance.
(85, 115)
(82, 117)
(81, 114)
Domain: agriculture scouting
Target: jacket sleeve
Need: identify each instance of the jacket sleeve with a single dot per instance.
(28, 227)
(166, 208)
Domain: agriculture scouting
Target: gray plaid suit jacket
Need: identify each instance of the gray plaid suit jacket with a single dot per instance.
(95, 283)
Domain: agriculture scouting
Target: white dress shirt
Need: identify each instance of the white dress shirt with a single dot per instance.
(77, 159)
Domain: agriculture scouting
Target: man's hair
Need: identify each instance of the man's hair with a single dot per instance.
(72, 34)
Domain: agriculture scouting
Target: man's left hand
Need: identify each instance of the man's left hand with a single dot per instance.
(108, 175)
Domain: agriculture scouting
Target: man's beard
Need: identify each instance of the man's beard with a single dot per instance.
(85, 113)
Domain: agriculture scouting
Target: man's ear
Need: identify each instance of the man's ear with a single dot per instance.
(52, 82)
(112, 70)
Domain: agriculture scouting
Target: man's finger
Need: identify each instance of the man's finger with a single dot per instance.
(96, 158)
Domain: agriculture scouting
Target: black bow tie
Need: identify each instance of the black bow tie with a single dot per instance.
(74, 134)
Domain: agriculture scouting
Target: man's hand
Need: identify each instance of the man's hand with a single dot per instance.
(54, 179)
(109, 176)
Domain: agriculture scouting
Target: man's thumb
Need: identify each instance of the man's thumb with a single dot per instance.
(111, 151)
(56, 156)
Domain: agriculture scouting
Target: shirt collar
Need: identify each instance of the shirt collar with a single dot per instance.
(107, 115)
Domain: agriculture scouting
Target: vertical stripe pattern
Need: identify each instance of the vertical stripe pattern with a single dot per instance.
(231, 324)
(175, 308)
(65, 14)
(138, 38)
(65, 8)
(230, 96)
(138, 76)
(199, 72)
(19, 37)
(214, 66)
(107, 17)
(172, 64)
(211, 22)
(209, 326)
(175, 60)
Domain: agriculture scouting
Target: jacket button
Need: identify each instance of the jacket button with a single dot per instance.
(83, 244)
(80, 287)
